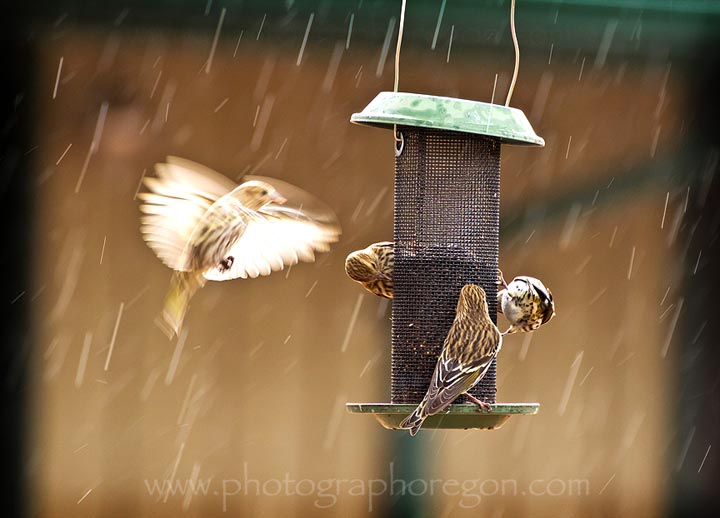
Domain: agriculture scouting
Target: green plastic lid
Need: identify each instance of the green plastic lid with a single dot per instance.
(429, 111)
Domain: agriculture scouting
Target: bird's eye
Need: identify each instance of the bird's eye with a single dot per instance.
(264, 192)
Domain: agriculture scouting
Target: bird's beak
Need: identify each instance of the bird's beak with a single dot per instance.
(277, 198)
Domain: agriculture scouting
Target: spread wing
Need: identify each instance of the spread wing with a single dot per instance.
(454, 376)
(177, 198)
(278, 236)
(308, 204)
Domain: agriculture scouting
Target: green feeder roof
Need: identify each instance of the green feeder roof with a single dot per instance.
(447, 113)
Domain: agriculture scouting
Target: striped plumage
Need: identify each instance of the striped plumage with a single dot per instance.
(469, 348)
(373, 268)
(206, 227)
(526, 303)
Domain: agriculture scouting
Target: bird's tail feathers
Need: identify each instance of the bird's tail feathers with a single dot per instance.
(414, 421)
(182, 287)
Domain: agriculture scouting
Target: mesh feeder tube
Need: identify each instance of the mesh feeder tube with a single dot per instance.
(446, 235)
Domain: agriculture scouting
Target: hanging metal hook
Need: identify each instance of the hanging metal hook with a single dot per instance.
(399, 142)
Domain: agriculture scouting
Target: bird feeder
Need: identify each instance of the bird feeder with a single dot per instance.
(446, 233)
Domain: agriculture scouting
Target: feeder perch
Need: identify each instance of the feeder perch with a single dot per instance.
(446, 232)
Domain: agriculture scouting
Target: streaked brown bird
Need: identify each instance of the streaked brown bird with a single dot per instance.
(470, 347)
(526, 303)
(206, 227)
(373, 268)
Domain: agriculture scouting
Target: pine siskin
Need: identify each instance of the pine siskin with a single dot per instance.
(205, 227)
(526, 303)
(470, 347)
(373, 268)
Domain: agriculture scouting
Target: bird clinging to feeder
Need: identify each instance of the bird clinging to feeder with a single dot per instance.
(446, 236)
(373, 268)
(205, 227)
(526, 303)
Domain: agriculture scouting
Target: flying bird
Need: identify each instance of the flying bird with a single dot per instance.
(206, 227)
(526, 303)
(373, 268)
(470, 347)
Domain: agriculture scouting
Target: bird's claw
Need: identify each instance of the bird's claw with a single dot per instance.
(226, 263)
(482, 405)
(501, 279)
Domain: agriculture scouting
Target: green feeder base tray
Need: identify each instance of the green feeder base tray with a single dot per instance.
(448, 113)
(465, 416)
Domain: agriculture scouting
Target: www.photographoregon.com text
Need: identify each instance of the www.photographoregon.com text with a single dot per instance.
(326, 493)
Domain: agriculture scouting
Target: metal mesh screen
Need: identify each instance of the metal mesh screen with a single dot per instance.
(447, 208)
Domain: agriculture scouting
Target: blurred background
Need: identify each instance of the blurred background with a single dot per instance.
(618, 214)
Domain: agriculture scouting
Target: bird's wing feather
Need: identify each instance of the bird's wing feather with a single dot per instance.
(277, 237)
(178, 197)
(452, 377)
(298, 200)
(202, 179)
